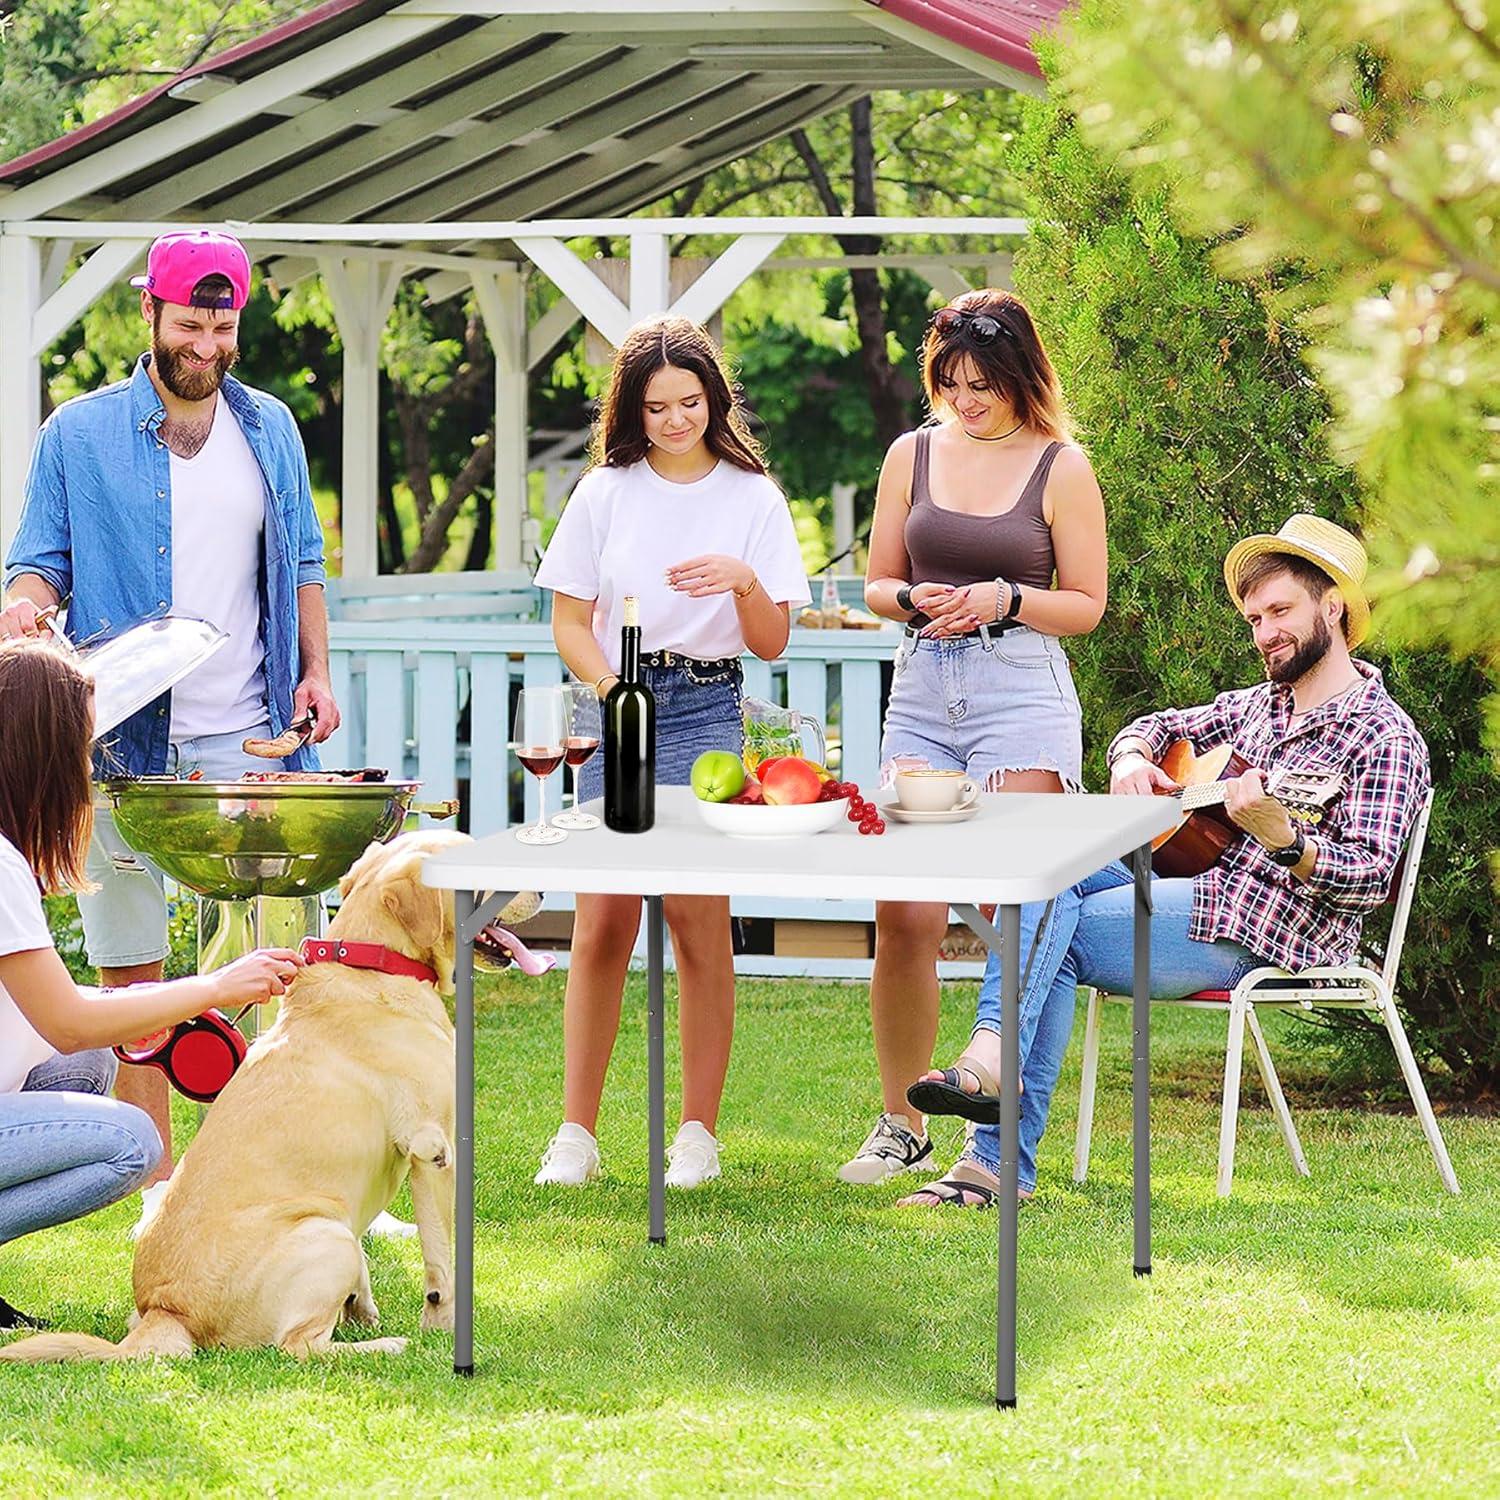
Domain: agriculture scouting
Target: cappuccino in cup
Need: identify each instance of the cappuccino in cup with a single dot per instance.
(934, 791)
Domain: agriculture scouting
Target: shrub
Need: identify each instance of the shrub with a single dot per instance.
(1204, 425)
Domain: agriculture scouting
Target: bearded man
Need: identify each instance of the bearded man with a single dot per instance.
(179, 491)
(1283, 893)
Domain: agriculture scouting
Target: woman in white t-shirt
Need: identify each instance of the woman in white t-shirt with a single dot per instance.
(64, 1149)
(678, 511)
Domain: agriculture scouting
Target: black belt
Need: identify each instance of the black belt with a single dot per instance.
(990, 629)
(677, 659)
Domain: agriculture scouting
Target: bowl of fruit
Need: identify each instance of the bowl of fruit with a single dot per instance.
(785, 797)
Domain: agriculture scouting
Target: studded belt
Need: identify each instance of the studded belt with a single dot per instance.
(677, 659)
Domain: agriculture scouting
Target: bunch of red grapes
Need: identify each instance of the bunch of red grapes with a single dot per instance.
(864, 813)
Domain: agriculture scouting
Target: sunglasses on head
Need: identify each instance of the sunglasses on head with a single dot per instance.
(981, 329)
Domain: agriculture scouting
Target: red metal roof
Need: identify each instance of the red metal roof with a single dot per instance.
(998, 29)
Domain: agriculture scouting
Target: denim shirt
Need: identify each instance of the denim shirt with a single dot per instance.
(97, 525)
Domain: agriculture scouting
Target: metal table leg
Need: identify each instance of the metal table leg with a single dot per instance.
(467, 922)
(1010, 1151)
(656, 1133)
(463, 1217)
(1141, 1060)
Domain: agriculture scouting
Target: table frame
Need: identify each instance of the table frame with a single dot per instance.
(470, 917)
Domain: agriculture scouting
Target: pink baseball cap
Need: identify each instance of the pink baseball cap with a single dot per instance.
(178, 262)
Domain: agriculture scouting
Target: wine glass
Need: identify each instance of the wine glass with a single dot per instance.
(540, 728)
(580, 740)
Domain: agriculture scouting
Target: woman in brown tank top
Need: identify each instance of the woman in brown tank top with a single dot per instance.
(988, 544)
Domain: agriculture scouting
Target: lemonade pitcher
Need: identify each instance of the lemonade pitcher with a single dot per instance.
(772, 730)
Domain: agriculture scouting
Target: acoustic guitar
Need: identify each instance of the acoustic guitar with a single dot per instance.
(1198, 843)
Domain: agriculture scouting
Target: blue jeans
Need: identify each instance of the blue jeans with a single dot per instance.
(66, 1150)
(1091, 941)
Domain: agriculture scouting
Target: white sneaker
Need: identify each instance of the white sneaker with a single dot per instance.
(571, 1158)
(150, 1206)
(389, 1227)
(892, 1147)
(693, 1158)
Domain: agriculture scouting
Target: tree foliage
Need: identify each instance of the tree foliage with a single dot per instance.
(1205, 423)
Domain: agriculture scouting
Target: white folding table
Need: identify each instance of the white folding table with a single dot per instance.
(1018, 848)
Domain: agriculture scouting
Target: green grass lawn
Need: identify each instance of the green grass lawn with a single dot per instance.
(1338, 1335)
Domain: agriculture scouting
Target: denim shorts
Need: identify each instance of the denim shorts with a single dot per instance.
(125, 919)
(984, 705)
(698, 708)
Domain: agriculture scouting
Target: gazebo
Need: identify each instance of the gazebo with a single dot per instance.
(466, 141)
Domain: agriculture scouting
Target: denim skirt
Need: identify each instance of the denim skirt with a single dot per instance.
(984, 705)
(698, 707)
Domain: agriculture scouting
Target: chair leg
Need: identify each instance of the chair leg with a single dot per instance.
(1086, 1088)
(1418, 1091)
(1234, 1054)
(1273, 1090)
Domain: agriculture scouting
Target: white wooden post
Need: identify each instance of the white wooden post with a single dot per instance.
(501, 296)
(362, 292)
(650, 276)
(843, 524)
(20, 375)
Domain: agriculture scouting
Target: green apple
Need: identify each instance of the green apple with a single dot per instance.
(718, 775)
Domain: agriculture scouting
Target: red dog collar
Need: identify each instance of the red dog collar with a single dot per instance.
(364, 956)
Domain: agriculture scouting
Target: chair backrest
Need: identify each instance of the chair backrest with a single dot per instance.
(1404, 888)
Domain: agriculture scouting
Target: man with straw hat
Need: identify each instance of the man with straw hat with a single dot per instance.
(1284, 893)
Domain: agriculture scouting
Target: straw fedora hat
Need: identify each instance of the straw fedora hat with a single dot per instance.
(1337, 552)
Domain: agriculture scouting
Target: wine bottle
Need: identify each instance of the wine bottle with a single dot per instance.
(630, 737)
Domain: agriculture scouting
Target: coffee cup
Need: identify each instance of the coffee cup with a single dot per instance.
(924, 791)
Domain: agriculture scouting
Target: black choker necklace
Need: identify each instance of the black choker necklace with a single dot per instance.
(999, 438)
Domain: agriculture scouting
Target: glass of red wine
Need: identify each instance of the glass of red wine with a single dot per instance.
(539, 731)
(580, 741)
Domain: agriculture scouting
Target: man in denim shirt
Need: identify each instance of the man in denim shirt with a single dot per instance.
(178, 491)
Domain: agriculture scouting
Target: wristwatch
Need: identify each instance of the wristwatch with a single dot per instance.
(1292, 854)
(903, 598)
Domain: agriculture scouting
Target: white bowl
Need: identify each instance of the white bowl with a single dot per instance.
(756, 820)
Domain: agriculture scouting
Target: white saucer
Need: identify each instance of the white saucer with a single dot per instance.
(951, 815)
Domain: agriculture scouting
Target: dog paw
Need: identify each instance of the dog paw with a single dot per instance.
(429, 1144)
(383, 1346)
(361, 1311)
(437, 1312)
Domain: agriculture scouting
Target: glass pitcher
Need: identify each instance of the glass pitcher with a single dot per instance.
(772, 730)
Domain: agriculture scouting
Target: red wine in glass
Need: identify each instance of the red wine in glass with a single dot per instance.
(543, 760)
(577, 749)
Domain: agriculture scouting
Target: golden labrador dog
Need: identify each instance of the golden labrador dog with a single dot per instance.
(257, 1239)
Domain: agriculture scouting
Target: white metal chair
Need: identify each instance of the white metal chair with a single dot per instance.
(1353, 986)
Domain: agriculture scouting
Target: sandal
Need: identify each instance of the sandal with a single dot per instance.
(948, 1096)
(961, 1188)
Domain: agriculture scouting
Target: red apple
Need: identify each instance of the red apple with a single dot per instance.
(790, 782)
(752, 791)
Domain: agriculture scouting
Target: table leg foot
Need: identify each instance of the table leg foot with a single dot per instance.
(658, 1239)
(1007, 1405)
(465, 1370)
(1143, 1270)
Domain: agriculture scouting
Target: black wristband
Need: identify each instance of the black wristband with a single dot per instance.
(903, 599)
(1291, 855)
(1014, 607)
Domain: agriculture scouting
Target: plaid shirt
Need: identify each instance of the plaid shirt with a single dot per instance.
(1363, 734)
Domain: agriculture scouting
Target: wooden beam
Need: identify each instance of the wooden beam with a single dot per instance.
(20, 374)
(573, 278)
(501, 296)
(191, 126)
(725, 276)
(206, 180)
(102, 270)
(455, 173)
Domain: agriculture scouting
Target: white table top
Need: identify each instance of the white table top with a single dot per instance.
(1020, 847)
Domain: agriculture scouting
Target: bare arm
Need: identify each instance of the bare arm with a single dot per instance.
(889, 566)
(24, 599)
(573, 634)
(315, 691)
(764, 623)
(73, 1019)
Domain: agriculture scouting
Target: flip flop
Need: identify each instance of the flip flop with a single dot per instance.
(948, 1096)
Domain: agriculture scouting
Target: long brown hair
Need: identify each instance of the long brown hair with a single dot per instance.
(1012, 359)
(620, 432)
(46, 787)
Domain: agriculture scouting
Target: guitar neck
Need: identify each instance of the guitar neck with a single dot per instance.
(1203, 794)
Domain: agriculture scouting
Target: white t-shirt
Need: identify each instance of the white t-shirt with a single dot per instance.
(218, 517)
(23, 928)
(623, 527)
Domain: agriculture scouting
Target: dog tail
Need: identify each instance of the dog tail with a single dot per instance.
(158, 1333)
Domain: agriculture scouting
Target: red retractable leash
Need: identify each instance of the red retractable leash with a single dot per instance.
(198, 1056)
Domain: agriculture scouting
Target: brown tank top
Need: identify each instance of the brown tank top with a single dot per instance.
(950, 546)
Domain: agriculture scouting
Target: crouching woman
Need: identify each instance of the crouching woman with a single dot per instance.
(65, 1148)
